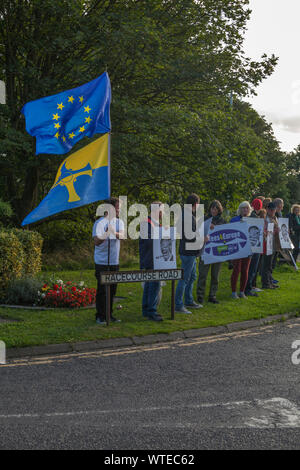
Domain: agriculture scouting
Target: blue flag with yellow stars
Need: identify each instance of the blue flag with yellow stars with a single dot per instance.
(82, 178)
(59, 121)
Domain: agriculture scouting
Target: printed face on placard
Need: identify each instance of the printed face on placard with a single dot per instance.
(254, 236)
(166, 249)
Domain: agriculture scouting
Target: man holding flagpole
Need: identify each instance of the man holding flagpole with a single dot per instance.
(107, 232)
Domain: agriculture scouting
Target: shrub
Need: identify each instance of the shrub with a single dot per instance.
(23, 292)
(11, 259)
(32, 243)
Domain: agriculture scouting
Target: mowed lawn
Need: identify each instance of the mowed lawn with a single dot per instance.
(37, 327)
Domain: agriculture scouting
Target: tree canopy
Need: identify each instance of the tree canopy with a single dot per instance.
(172, 65)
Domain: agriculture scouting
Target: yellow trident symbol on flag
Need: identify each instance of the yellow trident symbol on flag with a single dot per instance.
(68, 177)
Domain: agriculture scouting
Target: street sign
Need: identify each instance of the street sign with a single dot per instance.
(149, 275)
(116, 277)
(2, 92)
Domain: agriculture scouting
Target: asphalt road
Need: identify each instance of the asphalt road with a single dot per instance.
(233, 391)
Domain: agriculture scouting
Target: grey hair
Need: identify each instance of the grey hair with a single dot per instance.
(278, 201)
(243, 204)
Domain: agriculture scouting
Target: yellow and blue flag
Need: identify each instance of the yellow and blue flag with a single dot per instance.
(82, 178)
(59, 121)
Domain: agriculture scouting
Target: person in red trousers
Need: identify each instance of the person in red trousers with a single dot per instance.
(240, 266)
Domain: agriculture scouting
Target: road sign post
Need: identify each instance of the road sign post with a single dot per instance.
(155, 275)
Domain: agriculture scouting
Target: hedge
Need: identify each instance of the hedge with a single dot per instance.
(20, 255)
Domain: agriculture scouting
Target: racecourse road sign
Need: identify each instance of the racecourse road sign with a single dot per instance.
(116, 277)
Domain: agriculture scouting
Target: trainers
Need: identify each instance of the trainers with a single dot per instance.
(235, 296)
(182, 310)
(242, 295)
(154, 318)
(213, 300)
(114, 320)
(256, 289)
(194, 305)
(274, 281)
(100, 321)
(251, 294)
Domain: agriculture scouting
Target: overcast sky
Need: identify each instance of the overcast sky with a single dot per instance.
(275, 28)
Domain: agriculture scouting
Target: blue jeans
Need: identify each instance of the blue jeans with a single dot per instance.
(252, 272)
(150, 298)
(185, 285)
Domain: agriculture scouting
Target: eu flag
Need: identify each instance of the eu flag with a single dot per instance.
(82, 178)
(59, 121)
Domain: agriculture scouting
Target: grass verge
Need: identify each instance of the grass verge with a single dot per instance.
(53, 327)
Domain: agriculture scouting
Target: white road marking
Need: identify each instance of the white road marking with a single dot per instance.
(257, 414)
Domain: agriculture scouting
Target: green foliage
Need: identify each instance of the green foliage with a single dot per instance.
(172, 65)
(12, 257)
(32, 243)
(20, 255)
(6, 212)
(23, 292)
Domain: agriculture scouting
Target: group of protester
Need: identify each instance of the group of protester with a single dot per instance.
(108, 230)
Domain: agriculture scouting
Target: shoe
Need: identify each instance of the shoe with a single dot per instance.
(274, 281)
(115, 320)
(235, 296)
(183, 310)
(154, 318)
(100, 321)
(256, 289)
(213, 300)
(194, 305)
(242, 295)
(251, 294)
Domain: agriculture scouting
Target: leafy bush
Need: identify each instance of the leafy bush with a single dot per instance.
(12, 258)
(6, 211)
(32, 243)
(23, 292)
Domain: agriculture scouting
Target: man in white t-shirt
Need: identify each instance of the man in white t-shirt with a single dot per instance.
(107, 232)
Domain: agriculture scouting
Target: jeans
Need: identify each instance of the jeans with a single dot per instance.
(252, 272)
(150, 298)
(185, 285)
(101, 291)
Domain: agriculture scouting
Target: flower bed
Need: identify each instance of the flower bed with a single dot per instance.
(66, 295)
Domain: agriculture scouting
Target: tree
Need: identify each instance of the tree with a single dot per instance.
(172, 66)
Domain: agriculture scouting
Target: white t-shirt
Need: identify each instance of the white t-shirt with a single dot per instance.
(108, 252)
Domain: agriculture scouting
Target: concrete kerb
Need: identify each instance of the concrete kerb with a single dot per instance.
(26, 352)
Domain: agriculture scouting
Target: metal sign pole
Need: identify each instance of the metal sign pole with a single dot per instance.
(173, 301)
(107, 288)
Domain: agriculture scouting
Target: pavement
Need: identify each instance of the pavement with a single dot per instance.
(233, 390)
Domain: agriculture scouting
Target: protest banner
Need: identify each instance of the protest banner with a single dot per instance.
(164, 249)
(256, 233)
(284, 237)
(227, 242)
(270, 239)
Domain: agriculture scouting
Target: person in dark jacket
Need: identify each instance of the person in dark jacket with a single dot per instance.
(215, 213)
(251, 290)
(188, 262)
(267, 259)
(294, 221)
(151, 288)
